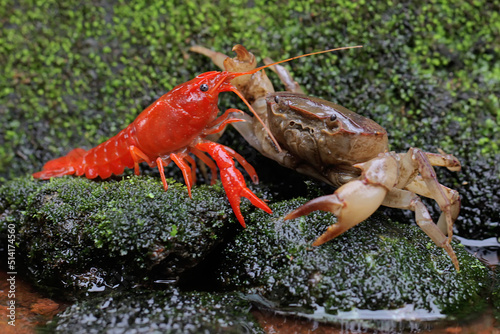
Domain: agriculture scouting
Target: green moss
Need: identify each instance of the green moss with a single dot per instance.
(95, 63)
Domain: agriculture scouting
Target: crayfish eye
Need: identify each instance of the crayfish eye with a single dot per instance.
(203, 87)
(333, 118)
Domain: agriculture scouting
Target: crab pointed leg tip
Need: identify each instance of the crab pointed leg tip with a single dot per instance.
(360, 165)
(292, 215)
(318, 242)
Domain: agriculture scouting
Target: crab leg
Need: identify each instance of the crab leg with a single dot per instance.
(285, 77)
(418, 186)
(444, 160)
(217, 57)
(403, 199)
(393, 180)
(428, 185)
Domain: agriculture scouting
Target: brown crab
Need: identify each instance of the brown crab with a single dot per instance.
(344, 149)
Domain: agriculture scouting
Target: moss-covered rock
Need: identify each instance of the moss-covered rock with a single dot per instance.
(76, 232)
(377, 265)
(167, 311)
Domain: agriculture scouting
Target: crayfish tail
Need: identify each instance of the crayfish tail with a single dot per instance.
(61, 166)
(47, 174)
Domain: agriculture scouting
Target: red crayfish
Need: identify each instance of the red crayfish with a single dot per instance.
(168, 130)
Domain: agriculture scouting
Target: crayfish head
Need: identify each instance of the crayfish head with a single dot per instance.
(202, 95)
(208, 85)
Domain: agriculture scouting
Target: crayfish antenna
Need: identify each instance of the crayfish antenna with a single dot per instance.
(275, 142)
(306, 55)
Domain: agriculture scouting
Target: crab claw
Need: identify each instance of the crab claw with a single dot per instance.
(356, 200)
(352, 203)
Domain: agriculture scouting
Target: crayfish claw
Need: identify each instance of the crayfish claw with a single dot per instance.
(232, 179)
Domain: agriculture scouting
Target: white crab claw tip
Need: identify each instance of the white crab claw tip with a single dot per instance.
(329, 203)
(360, 165)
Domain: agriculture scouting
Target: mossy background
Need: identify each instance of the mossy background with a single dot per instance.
(74, 73)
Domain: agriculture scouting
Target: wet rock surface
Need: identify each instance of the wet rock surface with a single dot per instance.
(166, 311)
(496, 295)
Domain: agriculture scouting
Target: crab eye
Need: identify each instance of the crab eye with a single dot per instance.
(203, 87)
(283, 103)
(333, 118)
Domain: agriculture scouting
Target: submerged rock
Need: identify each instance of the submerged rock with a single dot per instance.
(377, 265)
(168, 311)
